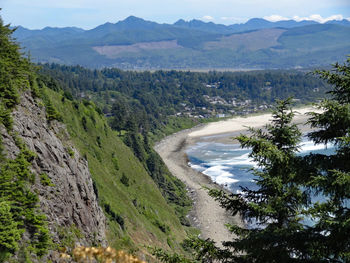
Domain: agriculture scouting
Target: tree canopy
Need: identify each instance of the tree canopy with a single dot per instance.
(275, 213)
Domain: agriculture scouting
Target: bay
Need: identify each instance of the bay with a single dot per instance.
(230, 165)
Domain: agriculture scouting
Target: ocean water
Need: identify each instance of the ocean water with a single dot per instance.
(230, 165)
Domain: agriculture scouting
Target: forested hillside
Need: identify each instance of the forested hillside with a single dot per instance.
(143, 206)
(299, 211)
(67, 179)
(76, 158)
(161, 102)
(135, 43)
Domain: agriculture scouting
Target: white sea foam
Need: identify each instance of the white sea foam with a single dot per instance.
(218, 160)
(219, 175)
(244, 160)
(197, 167)
(225, 179)
(309, 146)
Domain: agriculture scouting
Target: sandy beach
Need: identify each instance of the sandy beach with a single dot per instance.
(241, 123)
(206, 214)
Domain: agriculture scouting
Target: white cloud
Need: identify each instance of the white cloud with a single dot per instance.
(314, 17)
(209, 18)
(274, 18)
(318, 18)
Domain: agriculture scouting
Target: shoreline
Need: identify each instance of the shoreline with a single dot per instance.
(206, 213)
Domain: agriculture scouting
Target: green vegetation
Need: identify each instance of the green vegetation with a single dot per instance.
(129, 98)
(23, 213)
(19, 212)
(10, 234)
(68, 237)
(276, 206)
(196, 45)
(51, 112)
(143, 202)
(15, 74)
(45, 180)
(138, 121)
(70, 152)
(124, 180)
(110, 161)
(120, 179)
(277, 211)
(113, 216)
(159, 103)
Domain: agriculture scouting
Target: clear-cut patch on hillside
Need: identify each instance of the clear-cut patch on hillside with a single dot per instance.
(255, 40)
(114, 50)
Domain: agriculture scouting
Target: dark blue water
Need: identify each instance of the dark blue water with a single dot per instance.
(229, 165)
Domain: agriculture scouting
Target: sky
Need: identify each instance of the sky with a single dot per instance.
(87, 14)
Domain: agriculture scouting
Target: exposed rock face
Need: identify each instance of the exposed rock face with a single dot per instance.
(71, 200)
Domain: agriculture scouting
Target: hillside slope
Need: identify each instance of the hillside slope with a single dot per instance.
(47, 201)
(60, 178)
(137, 213)
(138, 44)
(66, 179)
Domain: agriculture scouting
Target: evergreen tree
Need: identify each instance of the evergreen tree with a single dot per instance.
(273, 210)
(9, 232)
(330, 175)
(14, 69)
(287, 184)
(120, 115)
(19, 211)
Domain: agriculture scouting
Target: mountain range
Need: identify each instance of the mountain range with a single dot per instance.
(135, 43)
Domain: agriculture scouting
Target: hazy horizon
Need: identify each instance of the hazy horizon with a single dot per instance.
(88, 14)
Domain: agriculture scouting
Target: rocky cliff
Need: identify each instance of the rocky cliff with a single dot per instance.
(63, 181)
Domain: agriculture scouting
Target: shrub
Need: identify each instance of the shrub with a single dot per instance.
(52, 113)
(45, 180)
(114, 216)
(84, 123)
(115, 163)
(70, 152)
(124, 180)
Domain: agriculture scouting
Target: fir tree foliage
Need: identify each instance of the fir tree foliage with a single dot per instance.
(19, 211)
(274, 209)
(14, 68)
(10, 233)
(331, 174)
(287, 186)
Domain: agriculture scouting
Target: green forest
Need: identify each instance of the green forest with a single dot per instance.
(152, 100)
(155, 214)
(257, 44)
(114, 117)
(287, 184)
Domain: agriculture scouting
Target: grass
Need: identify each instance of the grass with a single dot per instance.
(143, 209)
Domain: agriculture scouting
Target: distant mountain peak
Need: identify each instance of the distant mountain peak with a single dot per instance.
(72, 28)
(133, 19)
(132, 22)
(180, 21)
(192, 22)
(258, 21)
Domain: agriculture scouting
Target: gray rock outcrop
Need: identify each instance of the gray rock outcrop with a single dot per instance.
(70, 199)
